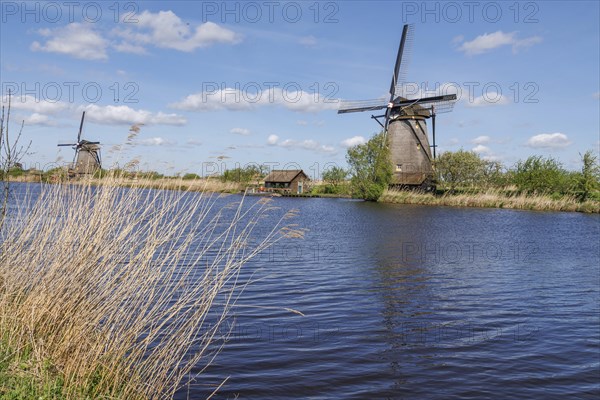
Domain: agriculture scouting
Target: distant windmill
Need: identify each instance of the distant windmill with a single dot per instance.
(404, 124)
(87, 155)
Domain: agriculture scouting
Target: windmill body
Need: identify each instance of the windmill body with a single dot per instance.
(405, 124)
(410, 151)
(88, 159)
(87, 155)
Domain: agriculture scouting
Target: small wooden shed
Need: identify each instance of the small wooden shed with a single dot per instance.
(287, 181)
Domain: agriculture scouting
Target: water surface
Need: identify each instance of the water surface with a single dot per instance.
(419, 302)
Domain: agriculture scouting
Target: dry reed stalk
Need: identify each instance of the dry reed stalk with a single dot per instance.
(123, 291)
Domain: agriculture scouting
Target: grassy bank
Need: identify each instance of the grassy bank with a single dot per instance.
(210, 185)
(112, 293)
(192, 185)
(492, 198)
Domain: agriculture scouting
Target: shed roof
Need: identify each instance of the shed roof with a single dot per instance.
(280, 175)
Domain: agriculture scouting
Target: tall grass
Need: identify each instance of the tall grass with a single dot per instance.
(118, 293)
(492, 198)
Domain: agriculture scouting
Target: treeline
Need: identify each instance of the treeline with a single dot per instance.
(463, 170)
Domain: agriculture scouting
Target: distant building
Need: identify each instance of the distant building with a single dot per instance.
(291, 181)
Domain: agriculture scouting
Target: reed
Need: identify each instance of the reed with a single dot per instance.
(109, 292)
(492, 198)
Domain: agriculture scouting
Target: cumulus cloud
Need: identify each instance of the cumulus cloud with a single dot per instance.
(76, 39)
(481, 149)
(30, 103)
(39, 119)
(117, 115)
(353, 141)
(156, 141)
(165, 29)
(308, 144)
(481, 140)
(489, 41)
(231, 99)
(240, 131)
(549, 141)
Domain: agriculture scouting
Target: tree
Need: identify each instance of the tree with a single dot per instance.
(589, 180)
(462, 168)
(244, 175)
(335, 176)
(370, 167)
(540, 175)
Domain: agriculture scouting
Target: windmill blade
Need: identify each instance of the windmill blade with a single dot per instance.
(80, 127)
(67, 144)
(362, 105)
(75, 158)
(404, 51)
(442, 103)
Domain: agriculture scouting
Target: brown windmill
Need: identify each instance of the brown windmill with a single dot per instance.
(87, 155)
(405, 124)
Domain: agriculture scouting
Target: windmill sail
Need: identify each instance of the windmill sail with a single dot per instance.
(86, 160)
(405, 121)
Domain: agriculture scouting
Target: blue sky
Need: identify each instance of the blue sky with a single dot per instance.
(216, 84)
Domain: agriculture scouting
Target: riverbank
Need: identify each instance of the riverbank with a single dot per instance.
(492, 199)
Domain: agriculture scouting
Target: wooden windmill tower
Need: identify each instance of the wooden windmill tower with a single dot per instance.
(87, 155)
(404, 124)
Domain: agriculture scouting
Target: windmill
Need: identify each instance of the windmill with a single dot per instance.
(404, 124)
(87, 155)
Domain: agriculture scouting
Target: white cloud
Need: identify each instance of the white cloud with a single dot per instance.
(76, 39)
(353, 141)
(308, 144)
(239, 100)
(549, 141)
(166, 30)
(156, 141)
(125, 47)
(481, 149)
(30, 103)
(240, 131)
(596, 95)
(489, 41)
(486, 153)
(39, 119)
(302, 122)
(116, 115)
(226, 99)
(308, 41)
(487, 99)
(481, 140)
